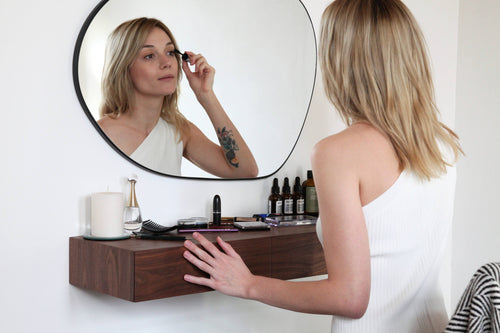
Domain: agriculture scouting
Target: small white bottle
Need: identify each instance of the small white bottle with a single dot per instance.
(132, 220)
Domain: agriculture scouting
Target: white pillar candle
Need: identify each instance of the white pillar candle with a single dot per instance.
(107, 214)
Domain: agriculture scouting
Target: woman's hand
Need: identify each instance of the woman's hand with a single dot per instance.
(228, 273)
(201, 79)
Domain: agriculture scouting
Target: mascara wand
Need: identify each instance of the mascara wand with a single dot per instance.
(184, 56)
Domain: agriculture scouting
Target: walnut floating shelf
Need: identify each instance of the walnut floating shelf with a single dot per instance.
(140, 270)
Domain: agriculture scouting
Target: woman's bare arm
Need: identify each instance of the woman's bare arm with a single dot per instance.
(346, 290)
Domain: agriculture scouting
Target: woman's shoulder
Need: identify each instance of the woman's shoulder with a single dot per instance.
(107, 122)
(352, 141)
(361, 152)
(361, 148)
(121, 134)
(112, 126)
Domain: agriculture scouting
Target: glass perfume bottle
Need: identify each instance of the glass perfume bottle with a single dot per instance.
(132, 220)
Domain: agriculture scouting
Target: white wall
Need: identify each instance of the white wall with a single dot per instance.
(476, 233)
(55, 159)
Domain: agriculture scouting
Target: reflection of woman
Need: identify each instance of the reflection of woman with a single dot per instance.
(385, 203)
(139, 110)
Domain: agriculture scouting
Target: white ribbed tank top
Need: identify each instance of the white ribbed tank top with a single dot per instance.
(408, 226)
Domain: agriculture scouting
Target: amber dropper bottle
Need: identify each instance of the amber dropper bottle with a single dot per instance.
(311, 198)
(274, 203)
(287, 198)
(298, 198)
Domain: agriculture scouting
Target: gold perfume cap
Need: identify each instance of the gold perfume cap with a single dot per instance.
(132, 199)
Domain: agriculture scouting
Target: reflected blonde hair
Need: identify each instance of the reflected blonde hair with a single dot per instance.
(375, 69)
(122, 48)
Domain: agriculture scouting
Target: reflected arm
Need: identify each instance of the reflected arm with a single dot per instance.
(232, 158)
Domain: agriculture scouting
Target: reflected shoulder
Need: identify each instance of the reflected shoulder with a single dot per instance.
(106, 124)
(103, 121)
(111, 124)
(122, 135)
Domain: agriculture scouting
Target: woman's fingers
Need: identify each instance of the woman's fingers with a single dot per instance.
(199, 252)
(195, 58)
(200, 63)
(207, 245)
(201, 79)
(228, 273)
(199, 262)
(199, 280)
(227, 248)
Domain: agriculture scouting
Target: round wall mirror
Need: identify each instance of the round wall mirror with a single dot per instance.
(264, 54)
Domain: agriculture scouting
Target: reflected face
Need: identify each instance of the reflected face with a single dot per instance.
(154, 70)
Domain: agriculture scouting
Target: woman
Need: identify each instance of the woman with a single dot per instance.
(385, 206)
(139, 109)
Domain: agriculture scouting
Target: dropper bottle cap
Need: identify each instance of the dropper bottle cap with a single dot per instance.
(297, 187)
(286, 186)
(275, 189)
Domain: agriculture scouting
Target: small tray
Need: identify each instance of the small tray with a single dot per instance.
(101, 238)
(211, 228)
(291, 220)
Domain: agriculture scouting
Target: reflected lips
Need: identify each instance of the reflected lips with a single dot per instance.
(166, 77)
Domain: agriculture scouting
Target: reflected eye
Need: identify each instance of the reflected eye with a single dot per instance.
(171, 53)
(149, 56)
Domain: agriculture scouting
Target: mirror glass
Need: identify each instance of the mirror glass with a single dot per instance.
(264, 54)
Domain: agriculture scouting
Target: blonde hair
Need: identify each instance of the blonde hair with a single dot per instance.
(122, 47)
(375, 69)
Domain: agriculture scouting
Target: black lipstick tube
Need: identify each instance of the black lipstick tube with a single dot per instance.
(216, 210)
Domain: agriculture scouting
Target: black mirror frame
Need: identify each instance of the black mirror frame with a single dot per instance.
(76, 82)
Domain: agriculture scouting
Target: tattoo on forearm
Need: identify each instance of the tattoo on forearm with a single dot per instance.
(229, 145)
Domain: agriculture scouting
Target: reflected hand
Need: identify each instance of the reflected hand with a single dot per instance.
(228, 273)
(201, 79)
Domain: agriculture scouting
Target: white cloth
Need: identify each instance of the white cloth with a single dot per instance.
(407, 229)
(160, 151)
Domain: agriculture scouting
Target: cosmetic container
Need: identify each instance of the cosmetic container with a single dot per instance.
(132, 220)
(287, 198)
(311, 198)
(298, 198)
(274, 202)
(216, 210)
